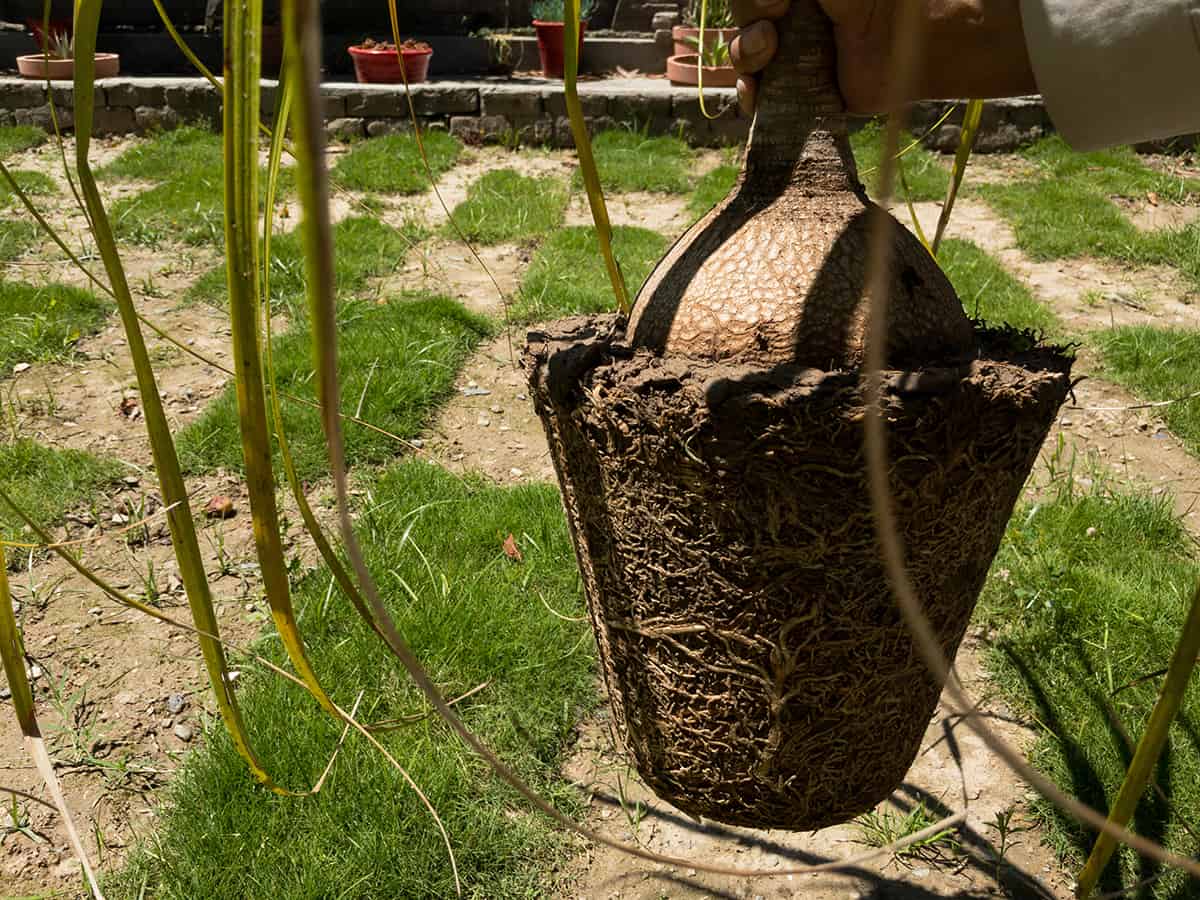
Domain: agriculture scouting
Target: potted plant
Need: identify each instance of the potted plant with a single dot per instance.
(379, 62)
(713, 58)
(719, 32)
(56, 61)
(548, 24)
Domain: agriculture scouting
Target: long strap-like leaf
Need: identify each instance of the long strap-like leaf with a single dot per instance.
(966, 145)
(243, 36)
(13, 659)
(587, 161)
(166, 462)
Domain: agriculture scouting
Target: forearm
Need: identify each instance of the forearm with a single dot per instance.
(970, 48)
(975, 48)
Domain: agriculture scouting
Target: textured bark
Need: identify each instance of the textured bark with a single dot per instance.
(775, 273)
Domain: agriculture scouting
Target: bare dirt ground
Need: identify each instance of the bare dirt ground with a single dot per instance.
(122, 699)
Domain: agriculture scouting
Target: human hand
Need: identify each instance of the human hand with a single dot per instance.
(971, 48)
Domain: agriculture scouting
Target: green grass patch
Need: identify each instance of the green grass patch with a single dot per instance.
(1088, 594)
(926, 175)
(168, 156)
(713, 187)
(1158, 364)
(43, 324)
(191, 210)
(363, 249)
(16, 236)
(631, 161)
(397, 361)
(34, 183)
(187, 202)
(15, 138)
(568, 277)
(1118, 171)
(990, 292)
(476, 618)
(1069, 213)
(48, 483)
(392, 163)
(504, 205)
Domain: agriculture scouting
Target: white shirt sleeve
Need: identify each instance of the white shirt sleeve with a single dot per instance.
(1116, 71)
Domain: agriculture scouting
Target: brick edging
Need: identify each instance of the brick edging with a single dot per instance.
(527, 111)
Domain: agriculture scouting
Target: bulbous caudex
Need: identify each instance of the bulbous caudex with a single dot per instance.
(775, 273)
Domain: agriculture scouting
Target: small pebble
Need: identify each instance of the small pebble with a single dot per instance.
(522, 397)
(35, 671)
(496, 408)
(94, 611)
(132, 480)
(1091, 532)
(183, 731)
(474, 391)
(21, 367)
(417, 442)
(484, 422)
(515, 473)
(175, 704)
(5, 693)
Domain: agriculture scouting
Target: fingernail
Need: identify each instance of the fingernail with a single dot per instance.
(753, 40)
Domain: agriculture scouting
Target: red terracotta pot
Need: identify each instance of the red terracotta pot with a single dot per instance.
(687, 39)
(377, 65)
(685, 69)
(36, 65)
(550, 41)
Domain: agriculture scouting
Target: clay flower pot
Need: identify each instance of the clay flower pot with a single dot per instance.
(381, 64)
(685, 69)
(687, 39)
(36, 65)
(550, 41)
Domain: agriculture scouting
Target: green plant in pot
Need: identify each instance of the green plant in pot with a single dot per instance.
(56, 60)
(692, 51)
(548, 24)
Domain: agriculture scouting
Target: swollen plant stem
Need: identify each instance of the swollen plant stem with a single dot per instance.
(905, 51)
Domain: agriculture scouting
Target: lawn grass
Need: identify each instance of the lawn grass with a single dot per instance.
(568, 277)
(504, 205)
(364, 248)
(632, 161)
(1069, 213)
(927, 175)
(397, 361)
(1158, 364)
(48, 483)
(476, 618)
(1088, 593)
(168, 156)
(990, 292)
(392, 164)
(16, 236)
(186, 203)
(15, 138)
(43, 323)
(1117, 171)
(34, 183)
(713, 187)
